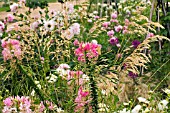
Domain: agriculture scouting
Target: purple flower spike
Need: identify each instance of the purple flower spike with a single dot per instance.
(133, 75)
(135, 43)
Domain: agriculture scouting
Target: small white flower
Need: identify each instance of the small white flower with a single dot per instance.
(64, 66)
(49, 25)
(59, 110)
(76, 28)
(104, 5)
(95, 12)
(53, 78)
(1, 34)
(89, 20)
(167, 91)
(14, 7)
(136, 109)
(33, 93)
(113, 3)
(68, 34)
(13, 110)
(124, 111)
(85, 77)
(99, 4)
(141, 99)
(36, 82)
(94, 41)
(34, 25)
(125, 104)
(39, 86)
(103, 92)
(163, 104)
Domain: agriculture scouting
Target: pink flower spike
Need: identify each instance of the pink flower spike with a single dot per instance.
(78, 73)
(42, 107)
(51, 107)
(82, 93)
(4, 44)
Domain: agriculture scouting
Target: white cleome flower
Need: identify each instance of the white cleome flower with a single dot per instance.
(167, 91)
(94, 41)
(64, 66)
(85, 77)
(75, 28)
(53, 78)
(163, 105)
(14, 7)
(144, 100)
(136, 109)
(49, 25)
(59, 110)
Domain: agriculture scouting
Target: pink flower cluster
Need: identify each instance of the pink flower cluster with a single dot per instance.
(10, 18)
(74, 29)
(89, 50)
(118, 28)
(23, 104)
(78, 75)
(150, 35)
(81, 99)
(11, 48)
(42, 106)
(70, 8)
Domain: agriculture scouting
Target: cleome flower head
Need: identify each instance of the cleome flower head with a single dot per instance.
(11, 48)
(87, 50)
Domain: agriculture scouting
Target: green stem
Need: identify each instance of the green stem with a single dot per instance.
(37, 90)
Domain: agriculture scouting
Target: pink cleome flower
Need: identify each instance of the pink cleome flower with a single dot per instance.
(89, 50)
(80, 99)
(10, 18)
(8, 102)
(11, 48)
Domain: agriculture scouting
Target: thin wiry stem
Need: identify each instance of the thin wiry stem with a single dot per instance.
(157, 70)
(161, 81)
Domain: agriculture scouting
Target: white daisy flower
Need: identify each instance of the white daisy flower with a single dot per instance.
(49, 25)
